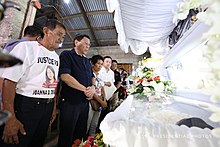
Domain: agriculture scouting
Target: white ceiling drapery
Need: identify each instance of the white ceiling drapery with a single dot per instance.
(143, 23)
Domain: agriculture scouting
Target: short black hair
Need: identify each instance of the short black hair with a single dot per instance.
(114, 61)
(79, 37)
(52, 23)
(95, 59)
(107, 57)
(33, 31)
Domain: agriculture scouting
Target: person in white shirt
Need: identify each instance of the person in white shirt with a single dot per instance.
(32, 106)
(31, 33)
(108, 77)
(99, 96)
(106, 74)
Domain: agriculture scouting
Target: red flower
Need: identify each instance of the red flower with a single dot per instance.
(156, 78)
(88, 144)
(77, 142)
(149, 79)
(91, 138)
(140, 81)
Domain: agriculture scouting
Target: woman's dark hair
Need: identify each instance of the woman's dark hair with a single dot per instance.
(96, 58)
(51, 68)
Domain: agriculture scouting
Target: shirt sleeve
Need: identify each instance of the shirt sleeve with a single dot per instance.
(16, 72)
(65, 64)
(101, 75)
(113, 76)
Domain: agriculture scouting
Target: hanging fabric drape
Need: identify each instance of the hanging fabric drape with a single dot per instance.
(143, 23)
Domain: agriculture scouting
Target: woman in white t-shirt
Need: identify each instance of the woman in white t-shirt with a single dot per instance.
(108, 77)
(99, 96)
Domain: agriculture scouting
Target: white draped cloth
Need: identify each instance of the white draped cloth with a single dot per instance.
(143, 23)
(138, 124)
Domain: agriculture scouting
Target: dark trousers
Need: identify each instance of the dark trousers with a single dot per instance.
(102, 116)
(73, 122)
(35, 116)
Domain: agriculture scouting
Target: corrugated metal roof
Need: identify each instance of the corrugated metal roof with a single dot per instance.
(85, 32)
(76, 23)
(89, 17)
(70, 8)
(101, 20)
(94, 5)
(68, 39)
(105, 34)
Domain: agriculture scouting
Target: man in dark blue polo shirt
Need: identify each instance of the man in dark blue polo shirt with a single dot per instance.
(76, 73)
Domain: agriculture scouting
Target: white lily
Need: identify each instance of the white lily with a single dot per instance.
(145, 82)
(147, 90)
(159, 87)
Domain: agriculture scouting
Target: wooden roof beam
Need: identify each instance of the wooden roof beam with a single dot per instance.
(79, 2)
(92, 41)
(60, 18)
(88, 13)
(95, 29)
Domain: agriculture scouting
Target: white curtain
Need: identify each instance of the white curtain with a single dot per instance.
(143, 23)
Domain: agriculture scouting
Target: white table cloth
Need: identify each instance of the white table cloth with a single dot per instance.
(140, 124)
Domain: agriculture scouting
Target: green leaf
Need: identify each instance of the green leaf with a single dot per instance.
(151, 88)
(157, 81)
(139, 89)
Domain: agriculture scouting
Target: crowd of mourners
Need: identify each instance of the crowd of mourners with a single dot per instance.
(32, 92)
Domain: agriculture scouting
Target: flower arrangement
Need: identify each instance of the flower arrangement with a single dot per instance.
(92, 141)
(211, 48)
(212, 54)
(183, 8)
(147, 82)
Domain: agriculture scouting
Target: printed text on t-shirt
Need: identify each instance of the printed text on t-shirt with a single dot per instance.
(43, 92)
(47, 60)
